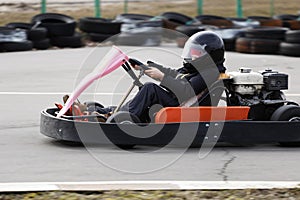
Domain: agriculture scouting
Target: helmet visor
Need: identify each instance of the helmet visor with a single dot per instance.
(192, 51)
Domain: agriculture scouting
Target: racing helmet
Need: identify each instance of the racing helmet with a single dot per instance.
(202, 43)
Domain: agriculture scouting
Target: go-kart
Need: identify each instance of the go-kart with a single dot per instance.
(256, 111)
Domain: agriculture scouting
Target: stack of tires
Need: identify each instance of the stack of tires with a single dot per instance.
(12, 40)
(37, 35)
(291, 46)
(229, 36)
(186, 31)
(289, 21)
(266, 21)
(213, 20)
(60, 29)
(262, 40)
(171, 20)
(139, 30)
(99, 29)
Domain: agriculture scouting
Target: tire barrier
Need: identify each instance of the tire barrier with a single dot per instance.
(37, 35)
(187, 31)
(12, 40)
(257, 46)
(254, 34)
(293, 36)
(214, 20)
(267, 21)
(262, 40)
(99, 25)
(292, 24)
(229, 36)
(290, 49)
(276, 33)
(139, 39)
(74, 41)
(16, 46)
(99, 29)
(139, 30)
(56, 24)
(291, 46)
(286, 17)
(98, 37)
(60, 30)
(177, 18)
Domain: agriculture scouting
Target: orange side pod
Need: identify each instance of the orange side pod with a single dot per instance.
(201, 114)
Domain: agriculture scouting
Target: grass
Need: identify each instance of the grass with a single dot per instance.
(247, 194)
(24, 12)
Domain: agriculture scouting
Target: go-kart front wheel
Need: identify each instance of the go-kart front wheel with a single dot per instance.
(123, 117)
(289, 113)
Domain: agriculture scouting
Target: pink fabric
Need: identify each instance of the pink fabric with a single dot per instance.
(117, 58)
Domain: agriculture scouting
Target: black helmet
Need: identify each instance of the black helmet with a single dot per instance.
(202, 43)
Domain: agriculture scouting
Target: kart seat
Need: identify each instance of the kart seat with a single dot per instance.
(210, 96)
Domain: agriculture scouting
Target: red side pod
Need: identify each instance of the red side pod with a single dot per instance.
(201, 114)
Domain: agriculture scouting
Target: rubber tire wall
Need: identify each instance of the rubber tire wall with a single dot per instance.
(56, 24)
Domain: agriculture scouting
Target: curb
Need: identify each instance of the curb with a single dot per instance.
(144, 185)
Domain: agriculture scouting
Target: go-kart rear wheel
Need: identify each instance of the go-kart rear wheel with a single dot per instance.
(289, 113)
(123, 117)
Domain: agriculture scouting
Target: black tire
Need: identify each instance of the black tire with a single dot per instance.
(189, 30)
(217, 22)
(56, 24)
(266, 33)
(292, 24)
(292, 36)
(32, 34)
(209, 17)
(290, 49)
(251, 45)
(287, 113)
(286, 17)
(16, 46)
(74, 41)
(138, 40)
(42, 44)
(259, 17)
(99, 25)
(177, 17)
(37, 34)
(123, 117)
(267, 21)
(20, 25)
(229, 44)
(97, 37)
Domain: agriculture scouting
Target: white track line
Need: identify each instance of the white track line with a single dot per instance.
(143, 185)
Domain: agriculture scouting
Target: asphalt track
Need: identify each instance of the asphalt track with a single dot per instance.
(32, 81)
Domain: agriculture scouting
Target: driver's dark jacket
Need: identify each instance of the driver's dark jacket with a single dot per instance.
(187, 81)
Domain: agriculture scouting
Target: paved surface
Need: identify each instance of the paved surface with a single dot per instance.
(32, 81)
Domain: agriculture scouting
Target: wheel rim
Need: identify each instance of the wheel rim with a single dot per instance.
(294, 119)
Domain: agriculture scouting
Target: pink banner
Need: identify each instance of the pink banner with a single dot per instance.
(111, 61)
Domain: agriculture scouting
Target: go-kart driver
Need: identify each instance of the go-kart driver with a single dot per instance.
(203, 59)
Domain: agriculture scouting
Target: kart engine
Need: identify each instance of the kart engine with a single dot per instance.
(250, 88)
